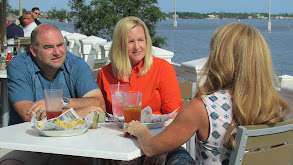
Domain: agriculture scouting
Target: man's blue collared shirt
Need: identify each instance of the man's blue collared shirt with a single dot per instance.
(27, 82)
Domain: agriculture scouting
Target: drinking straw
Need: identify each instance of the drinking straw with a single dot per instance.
(137, 99)
(118, 88)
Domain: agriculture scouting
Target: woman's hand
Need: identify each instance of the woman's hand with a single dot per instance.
(132, 128)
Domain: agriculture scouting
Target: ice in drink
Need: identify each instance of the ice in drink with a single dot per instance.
(131, 113)
(117, 104)
(117, 101)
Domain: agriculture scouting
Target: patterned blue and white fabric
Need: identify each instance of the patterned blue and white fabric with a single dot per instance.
(179, 157)
(219, 109)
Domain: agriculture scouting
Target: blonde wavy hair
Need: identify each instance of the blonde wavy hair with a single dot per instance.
(240, 61)
(118, 53)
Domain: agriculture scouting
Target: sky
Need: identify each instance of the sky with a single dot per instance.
(199, 6)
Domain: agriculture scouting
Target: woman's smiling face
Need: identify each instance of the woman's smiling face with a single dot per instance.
(136, 45)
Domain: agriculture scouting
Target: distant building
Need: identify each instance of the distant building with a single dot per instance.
(282, 17)
(43, 14)
(211, 16)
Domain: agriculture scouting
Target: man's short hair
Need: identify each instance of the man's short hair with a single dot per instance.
(11, 17)
(21, 21)
(35, 8)
(29, 15)
(35, 32)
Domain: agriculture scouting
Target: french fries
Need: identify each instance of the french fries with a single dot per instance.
(61, 124)
(40, 124)
(72, 124)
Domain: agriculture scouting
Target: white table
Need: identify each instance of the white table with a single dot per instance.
(4, 98)
(106, 142)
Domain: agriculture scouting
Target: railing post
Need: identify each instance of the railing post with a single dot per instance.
(190, 70)
(162, 53)
(285, 80)
(286, 91)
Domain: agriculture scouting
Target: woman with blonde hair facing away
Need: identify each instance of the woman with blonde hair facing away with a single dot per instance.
(132, 63)
(237, 89)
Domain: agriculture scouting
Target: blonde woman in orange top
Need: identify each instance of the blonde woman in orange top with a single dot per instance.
(132, 63)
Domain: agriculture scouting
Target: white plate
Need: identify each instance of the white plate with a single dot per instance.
(148, 125)
(72, 132)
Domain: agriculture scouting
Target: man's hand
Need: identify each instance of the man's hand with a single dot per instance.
(85, 111)
(39, 108)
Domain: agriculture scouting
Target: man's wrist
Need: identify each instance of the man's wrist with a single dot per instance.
(65, 102)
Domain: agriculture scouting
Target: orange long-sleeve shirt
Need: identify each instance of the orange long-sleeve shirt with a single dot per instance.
(159, 87)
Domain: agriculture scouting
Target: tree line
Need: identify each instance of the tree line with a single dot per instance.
(99, 17)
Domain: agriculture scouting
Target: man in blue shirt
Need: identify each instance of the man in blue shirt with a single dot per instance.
(12, 30)
(48, 66)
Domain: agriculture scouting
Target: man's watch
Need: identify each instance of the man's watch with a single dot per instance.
(65, 102)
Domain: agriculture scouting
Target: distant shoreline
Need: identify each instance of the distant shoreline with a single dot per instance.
(238, 18)
(214, 15)
(222, 15)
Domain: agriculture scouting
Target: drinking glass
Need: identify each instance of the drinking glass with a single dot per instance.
(53, 101)
(132, 101)
(116, 95)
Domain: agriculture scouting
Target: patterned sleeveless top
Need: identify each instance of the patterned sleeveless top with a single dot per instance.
(219, 109)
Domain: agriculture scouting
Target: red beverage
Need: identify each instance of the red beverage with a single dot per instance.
(51, 115)
(131, 113)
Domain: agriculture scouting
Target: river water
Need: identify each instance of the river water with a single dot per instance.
(190, 40)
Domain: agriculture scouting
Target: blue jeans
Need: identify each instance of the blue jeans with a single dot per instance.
(179, 157)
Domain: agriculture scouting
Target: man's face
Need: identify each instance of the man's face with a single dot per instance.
(7, 22)
(51, 52)
(35, 14)
(27, 19)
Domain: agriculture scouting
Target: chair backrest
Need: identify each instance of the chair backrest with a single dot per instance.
(264, 144)
(187, 91)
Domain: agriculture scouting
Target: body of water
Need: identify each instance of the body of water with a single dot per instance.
(190, 40)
